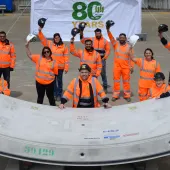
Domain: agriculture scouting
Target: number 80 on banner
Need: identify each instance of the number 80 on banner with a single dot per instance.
(94, 10)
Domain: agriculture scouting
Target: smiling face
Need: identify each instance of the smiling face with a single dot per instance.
(88, 45)
(159, 82)
(148, 55)
(2, 37)
(122, 39)
(46, 53)
(56, 39)
(84, 74)
(98, 35)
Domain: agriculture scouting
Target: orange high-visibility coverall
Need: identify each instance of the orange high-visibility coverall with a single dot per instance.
(122, 64)
(7, 55)
(4, 87)
(155, 91)
(100, 44)
(73, 90)
(59, 53)
(147, 72)
(93, 59)
(45, 69)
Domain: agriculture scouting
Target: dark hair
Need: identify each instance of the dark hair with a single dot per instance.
(46, 48)
(122, 34)
(88, 40)
(149, 49)
(3, 32)
(61, 41)
(98, 30)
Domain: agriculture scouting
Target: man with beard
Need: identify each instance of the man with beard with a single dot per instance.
(123, 66)
(101, 45)
(85, 91)
(7, 57)
(88, 56)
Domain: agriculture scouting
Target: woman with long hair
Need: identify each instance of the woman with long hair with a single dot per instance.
(148, 67)
(46, 69)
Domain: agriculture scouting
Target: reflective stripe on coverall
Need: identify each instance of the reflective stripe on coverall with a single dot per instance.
(122, 64)
(45, 69)
(93, 59)
(74, 90)
(147, 72)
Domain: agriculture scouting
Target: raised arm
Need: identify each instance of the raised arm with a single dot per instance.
(28, 52)
(42, 38)
(112, 38)
(73, 50)
(66, 59)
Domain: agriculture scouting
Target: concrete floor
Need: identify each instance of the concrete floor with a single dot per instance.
(22, 79)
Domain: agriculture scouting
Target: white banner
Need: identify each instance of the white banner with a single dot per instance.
(63, 15)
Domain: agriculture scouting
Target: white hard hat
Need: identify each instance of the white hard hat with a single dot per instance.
(31, 38)
(133, 39)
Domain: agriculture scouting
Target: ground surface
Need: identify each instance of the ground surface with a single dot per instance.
(22, 79)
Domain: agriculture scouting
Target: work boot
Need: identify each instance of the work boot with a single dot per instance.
(114, 99)
(105, 89)
(58, 99)
(128, 99)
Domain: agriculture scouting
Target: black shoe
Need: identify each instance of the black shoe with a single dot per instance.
(114, 99)
(128, 99)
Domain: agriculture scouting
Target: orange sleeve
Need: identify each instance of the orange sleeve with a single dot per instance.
(55, 68)
(6, 91)
(68, 94)
(43, 39)
(66, 58)
(13, 55)
(112, 39)
(131, 62)
(74, 52)
(99, 65)
(167, 46)
(138, 62)
(107, 49)
(158, 68)
(35, 57)
(99, 89)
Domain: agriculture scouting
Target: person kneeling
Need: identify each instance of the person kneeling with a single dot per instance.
(84, 90)
(159, 88)
(4, 87)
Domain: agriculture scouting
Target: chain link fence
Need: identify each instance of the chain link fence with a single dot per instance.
(156, 4)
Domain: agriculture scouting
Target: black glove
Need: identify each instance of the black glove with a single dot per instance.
(164, 41)
(163, 95)
(7, 42)
(11, 69)
(1, 92)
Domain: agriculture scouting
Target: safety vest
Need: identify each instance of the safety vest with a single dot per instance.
(87, 99)
(7, 56)
(147, 72)
(44, 71)
(99, 45)
(90, 59)
(58, 54)
(156, 91)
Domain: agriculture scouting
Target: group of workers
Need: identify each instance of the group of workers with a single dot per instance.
(85, 89)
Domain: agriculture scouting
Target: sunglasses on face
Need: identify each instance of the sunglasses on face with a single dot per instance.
(46, 52)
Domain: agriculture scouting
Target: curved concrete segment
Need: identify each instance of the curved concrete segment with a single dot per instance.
(123, 134)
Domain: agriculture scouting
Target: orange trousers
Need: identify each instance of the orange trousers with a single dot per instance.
(119, 72)
(143, 92)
